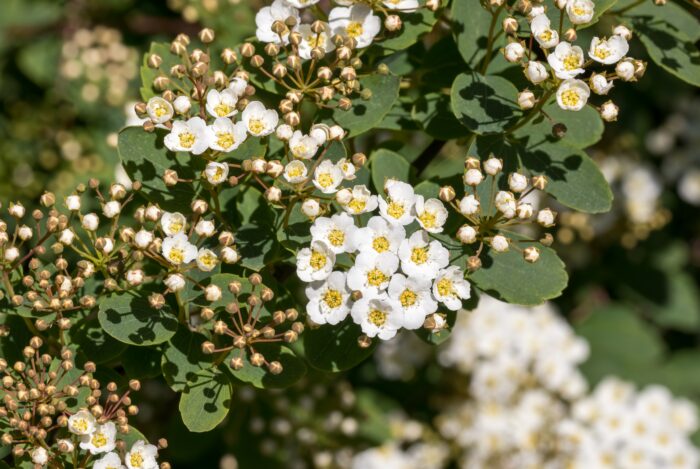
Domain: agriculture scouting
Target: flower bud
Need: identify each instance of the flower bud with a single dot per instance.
(493, 166)
(206, 35)
(526, 99)
(531, 254)
(473, 177)
(535, 72)
(517, 182)
(546, 217)
(392, 23)
(514, 52)
(625, 69)
(609, 111)
(510, 25)
(311, 208)
(447, 193)
(466, 234)
(622, 30)
(499, 243)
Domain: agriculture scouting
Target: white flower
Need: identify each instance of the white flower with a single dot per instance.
(216, 173)
(469, 205)
(599, 84)
(566, 60)
(517, 182)
(143, 238)
(205, 228)
(159, 110)
(513, 52)
(73, 202)
(413, 299)
(175, 282)
(431, 214)
(493, 166)
(212, 293)
(398, 206)
(544, 34)
(379, 236)
(102, 440)
(67, 236)
(258, 120)
(182, 104)
(178, 250)
(190, 136)
(347, 168)
(536, 72)
(303, 146)
(608, 111)
(206, 260)
(327, 177)
(337, 232)
(109, 461)
(377, 315)
(295, 172)
(173, 223)
(625, 69)
(221, 104)
(311, 208)
(301, 3)
(622, 30)
(90, 222)
(329, 300)
(111, 209)
(320, 133)
(545, 217)
(238, 86)
(229, 255)
(421, 257)
(310, 40)
(142, 456)
(505, 203)
(224, 135)
(81, 423)
(315, 262)
(405, 6)
(135, 277)
(500, 243)
(526, 99)
(608, 51)
(284, 132)
(580, 11)
(450, 288)
(39, 456)
(11, 254)
(372, 272)
(356, 22)
(572, 95)
(466, 234)
(278, 11)
(360, 201)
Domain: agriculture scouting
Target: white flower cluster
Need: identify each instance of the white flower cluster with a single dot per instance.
(529, 406)
(396, 280)
(567, 62)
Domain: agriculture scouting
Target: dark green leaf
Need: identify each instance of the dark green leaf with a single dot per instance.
(485, 104)
(584, 128)
(386, 164)
(471, 23)
(183, 358)
(335, 348)
(130, 319)
(435, 116)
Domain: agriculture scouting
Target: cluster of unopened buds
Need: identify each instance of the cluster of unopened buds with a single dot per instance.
(567, 63)
(54, 413)
(493, 216)
(242, 327)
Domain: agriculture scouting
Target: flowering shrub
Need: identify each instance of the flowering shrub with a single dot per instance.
(264, 229)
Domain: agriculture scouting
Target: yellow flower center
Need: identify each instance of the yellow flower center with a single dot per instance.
(176, 256)
(99, 440)
(377, 317)
(580, 11)
(208, 260)
(427, 219)
(160, 110)
(380, 244)
(357, 205)
(570, 98)
(571, 62)
(175, 226)
(602, 52)
(546, 35)
(136, 460)
(186, 139)
(376, 277)
(336, 237)
(333, 298)
(316, 40)
(355, 29)
(295, 171)
(80, 425)
(444, 287)
(222, 109)
(218, 174)
(256, 126)
(299, 150)
(395, 209)
(325, 180)
(225, 139)
(408, 298)
(419, 255)
(318, 260)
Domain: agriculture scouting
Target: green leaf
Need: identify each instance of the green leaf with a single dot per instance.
(415, 25)
(148, 74)
(508, 277)
(257, 234)
(574, 179)
(435, 116)
(335, 348)
(130, 319)
(183, 358)
(251, 148)
(671, 49)
(131, 437)
(205, 401)
(385, 164)
(94, 342)
(673, 16)
(145, 159)
(470, 25)
(293, 369)
(485, 104)
(584, 128)
(367, 114)
(621, 344)
(682, 307)
(142, 362)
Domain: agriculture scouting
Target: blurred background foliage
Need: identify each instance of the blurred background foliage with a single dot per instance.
(69, 75)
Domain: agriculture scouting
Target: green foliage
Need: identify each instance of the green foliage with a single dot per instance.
(293, 368)
(335, 348)
(205, 400)
(385, 165)
(485, 104)
(471, 24)
(130, 319)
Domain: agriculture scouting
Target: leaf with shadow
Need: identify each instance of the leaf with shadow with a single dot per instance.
(293, 369)
(205, 400)
(334, 348)
(183, 358)
(129, 318)
(485, 104)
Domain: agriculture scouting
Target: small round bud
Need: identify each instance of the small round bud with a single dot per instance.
(447, 193)
(207, 35)
(531, 254)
